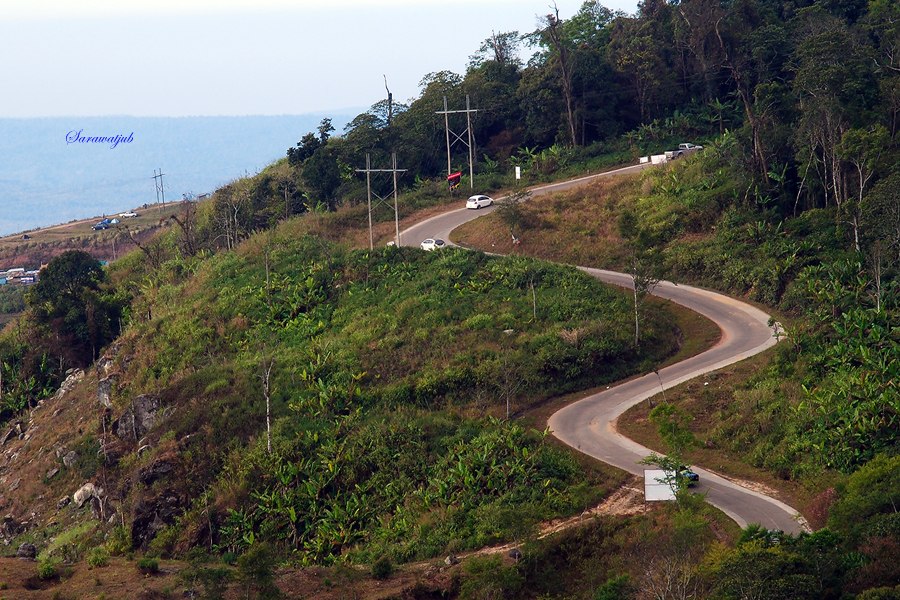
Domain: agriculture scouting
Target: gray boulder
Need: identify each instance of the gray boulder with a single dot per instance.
(70, 458)
(140, 417)
(26, 552)
(85, 493)
(104, 392)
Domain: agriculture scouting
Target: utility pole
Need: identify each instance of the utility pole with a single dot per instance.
(158, 182)
(468, 141)
(369, 193)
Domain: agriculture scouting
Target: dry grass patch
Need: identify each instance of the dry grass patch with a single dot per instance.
(578, 226)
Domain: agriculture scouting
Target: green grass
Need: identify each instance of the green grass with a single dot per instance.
(388, 370)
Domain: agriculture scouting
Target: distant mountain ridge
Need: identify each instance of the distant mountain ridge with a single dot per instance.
(49, 175)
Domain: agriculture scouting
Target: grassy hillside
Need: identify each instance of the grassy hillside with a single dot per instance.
(386, 375)
(814, 416)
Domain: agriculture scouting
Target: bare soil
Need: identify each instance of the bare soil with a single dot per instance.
(43, 244)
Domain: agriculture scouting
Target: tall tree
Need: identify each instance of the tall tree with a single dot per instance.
(69, 300)
(644, 263)
(835, 87)
(554, 37)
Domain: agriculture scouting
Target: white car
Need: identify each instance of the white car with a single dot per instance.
(478, 201)
(128, 215)
(431, 244)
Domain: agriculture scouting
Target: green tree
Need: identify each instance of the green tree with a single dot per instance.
(256, 572)
(871, 491)
(863, 149)
(636, 52)
(672, 423)
(310, 142)
(512, 214)
(645, 263)
(69, 300)
(757, 571)
(322, 175)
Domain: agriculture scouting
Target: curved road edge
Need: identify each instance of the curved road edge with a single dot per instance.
(589, 425)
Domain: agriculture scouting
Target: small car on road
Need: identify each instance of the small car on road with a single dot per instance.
(479, 201)
(433, 244)
(687, 475)
(128, 215)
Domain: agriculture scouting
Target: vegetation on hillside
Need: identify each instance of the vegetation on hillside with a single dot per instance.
(352, 405)
(386, 378)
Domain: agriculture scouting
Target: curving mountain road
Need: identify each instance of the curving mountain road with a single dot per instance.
(589, 424)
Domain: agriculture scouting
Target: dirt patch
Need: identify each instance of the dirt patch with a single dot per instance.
(628, 500)
(38, 246)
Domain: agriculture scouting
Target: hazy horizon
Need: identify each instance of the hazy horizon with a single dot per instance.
(46, 179)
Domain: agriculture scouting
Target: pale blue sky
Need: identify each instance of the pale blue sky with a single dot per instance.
(239, 57)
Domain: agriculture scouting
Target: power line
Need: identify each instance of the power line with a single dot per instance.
(393, 170)
(469, 142)
(158, 182)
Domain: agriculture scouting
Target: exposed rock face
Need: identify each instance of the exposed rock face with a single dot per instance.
(85, 493)
(151, 516)
(69, 459)
(8, 436)
(106, 362)
(10, 527)
(139, 418)
(26, 552)
(63, 502)
(155, 471)
(70, 382)
(104, 392)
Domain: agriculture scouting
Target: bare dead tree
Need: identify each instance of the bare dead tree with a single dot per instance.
(555, 38)
(153, 250)
(187, 223)
(266, 378)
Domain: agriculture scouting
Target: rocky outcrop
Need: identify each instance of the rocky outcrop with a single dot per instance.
(85, 493)
(69, 459)
(72, 378)
(10, 434)
(26, 552)
(151, 516)
(143, 414)
(106, 363)
(104, 391)
(10, 528)
(155, 471)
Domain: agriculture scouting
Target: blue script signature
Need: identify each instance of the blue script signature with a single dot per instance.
(74, 137)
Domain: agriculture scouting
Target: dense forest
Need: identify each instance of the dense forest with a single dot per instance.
(341, 405)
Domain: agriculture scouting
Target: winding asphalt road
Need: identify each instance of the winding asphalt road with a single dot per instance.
(589, 425)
